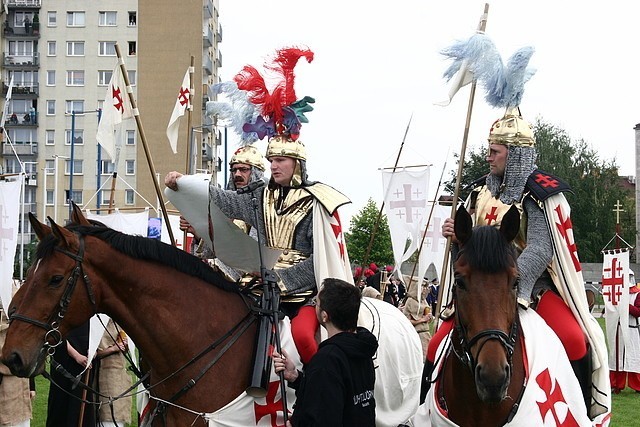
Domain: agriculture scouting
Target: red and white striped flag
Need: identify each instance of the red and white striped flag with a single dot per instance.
(116, 108)
(182, 103)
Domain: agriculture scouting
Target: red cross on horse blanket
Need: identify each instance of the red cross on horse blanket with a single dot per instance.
(552, 394)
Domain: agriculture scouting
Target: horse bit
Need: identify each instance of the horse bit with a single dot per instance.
(53, 326)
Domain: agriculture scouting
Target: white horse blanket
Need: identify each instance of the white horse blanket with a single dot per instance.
(552, 395)
(398, 365)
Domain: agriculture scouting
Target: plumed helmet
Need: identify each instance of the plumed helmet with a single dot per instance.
(283, 145)
(512, 129)
(250, 155)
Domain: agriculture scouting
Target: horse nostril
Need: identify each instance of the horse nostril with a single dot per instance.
(13, 362)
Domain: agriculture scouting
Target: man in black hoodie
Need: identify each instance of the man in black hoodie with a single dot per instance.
(336, 387)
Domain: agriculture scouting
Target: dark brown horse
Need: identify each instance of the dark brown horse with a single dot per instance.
(162, 297)
(483, 376)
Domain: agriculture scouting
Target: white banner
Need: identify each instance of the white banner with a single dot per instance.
(434, 245)
(405, 203)
(129, 223)
(9, 215)
(615, 292)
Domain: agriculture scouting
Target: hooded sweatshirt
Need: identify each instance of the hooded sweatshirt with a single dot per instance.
(336, 388)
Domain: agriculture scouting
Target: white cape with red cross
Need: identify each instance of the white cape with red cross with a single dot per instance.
(552, 396)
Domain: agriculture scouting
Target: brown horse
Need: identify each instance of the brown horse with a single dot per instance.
(483, 376)
(197, 337)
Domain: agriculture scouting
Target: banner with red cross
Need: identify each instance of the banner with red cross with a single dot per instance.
(615, 293)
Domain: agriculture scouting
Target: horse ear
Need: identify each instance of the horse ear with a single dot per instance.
(41, 230)
(510, 224)
(462, 225)
(77, 216)
(64, 235)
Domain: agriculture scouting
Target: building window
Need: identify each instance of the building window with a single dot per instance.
(75, 48)
(51, 48)
(133, 19)
(75, 78)
(51, 77)
(23, 78)
(131, 137)
(22, 136)
(132, 48)
(107, 19)
(104, 77)
(52, 19)
(21, 48)
(107, 167)
(74, 105)
(78, 134)
(19, 106)
(20, 18)
(77, 167)
(105, 197)
(132, 77)
(49, 197)
(130, 166)
(100, 104)
(51, 107)
(129, 197)
(76, 196)
(50, 137)
(106, 48)
(75, 19)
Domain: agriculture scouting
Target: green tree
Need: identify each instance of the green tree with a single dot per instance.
(595, 184)
(474, 168)
(360, 231)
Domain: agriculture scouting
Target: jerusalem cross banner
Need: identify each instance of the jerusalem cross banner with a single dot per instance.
(9, 215)
(615, 292)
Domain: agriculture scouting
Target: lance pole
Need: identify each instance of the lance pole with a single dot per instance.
(456, 194)
(189, 138)
(377, 223)
(143, 138)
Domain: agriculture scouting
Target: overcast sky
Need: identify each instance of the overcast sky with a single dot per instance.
(377, 63)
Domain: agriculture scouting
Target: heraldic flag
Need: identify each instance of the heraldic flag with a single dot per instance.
(9, 214)
(116, 108)
(182, 103)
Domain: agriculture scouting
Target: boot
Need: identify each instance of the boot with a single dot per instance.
(583, 369)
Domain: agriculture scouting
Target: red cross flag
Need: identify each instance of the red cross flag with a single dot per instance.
(116, 108)
(182, 103)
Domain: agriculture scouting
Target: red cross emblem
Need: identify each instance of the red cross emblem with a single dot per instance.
(612, 285)
(491, 216)
(271, 406)
(337, 232)
(554, 395)
(546, 181)
(183, 97)
(118, 103)
(564, 227)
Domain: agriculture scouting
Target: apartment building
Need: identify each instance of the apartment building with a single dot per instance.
(61, 56)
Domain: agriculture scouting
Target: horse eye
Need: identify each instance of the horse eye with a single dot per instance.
(56, 281)
(459, 282)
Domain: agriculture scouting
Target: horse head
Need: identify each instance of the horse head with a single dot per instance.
(45, 308)
(485, 294)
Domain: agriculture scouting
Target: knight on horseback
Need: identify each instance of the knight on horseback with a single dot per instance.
(549, 281)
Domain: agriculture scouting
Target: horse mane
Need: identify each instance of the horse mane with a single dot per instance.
(488, 250)
(140, 247)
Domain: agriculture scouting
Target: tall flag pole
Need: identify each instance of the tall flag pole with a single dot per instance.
(145, 145)
(481, 29)
(190, 139)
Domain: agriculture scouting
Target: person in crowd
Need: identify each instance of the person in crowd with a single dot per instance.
(65, 404)
(624, 354)
(294, 215)
(336, 386)
(513, 179)
(418, 311)
(112, 378)
(15, 393)
(432, 295)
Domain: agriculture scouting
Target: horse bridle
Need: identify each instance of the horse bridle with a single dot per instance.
(508, 342)
(53, 325)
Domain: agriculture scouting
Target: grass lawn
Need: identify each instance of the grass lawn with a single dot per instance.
(625, 404)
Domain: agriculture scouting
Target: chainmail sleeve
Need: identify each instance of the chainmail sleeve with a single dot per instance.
(537, 255)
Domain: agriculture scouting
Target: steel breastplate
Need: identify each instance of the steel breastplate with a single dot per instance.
(281, 217)
(489, 211)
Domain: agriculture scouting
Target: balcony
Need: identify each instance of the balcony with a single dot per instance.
(219, 60)
(14, 61)
(20, 149)
(207, 65)
(207, 37)
(24, 4)
(21, 89)
(207, 10)
(219, 34)
(22, 119)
